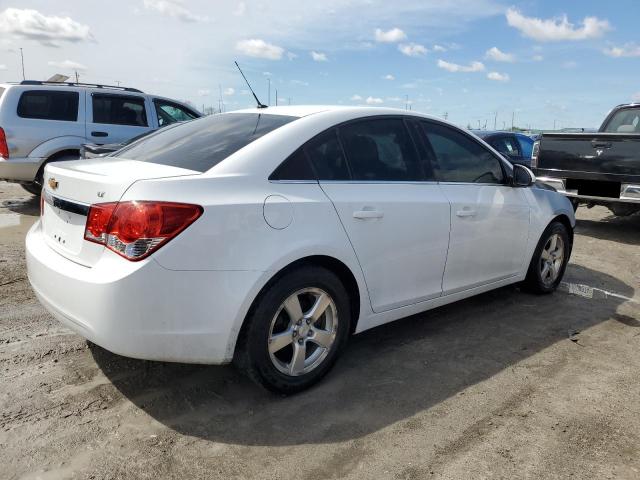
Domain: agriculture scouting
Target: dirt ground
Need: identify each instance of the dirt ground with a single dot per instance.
(504, 385)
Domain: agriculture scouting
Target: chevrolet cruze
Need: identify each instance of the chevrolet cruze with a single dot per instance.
(268, 236)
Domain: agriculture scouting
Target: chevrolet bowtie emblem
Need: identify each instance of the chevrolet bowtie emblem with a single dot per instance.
(53, 183)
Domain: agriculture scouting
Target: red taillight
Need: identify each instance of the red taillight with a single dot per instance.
(136, 229)
(4, 148)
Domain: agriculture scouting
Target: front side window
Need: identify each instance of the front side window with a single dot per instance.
(460, 158)
(380, 150)
(169, 113)
(49, 105)
(625, 120)
(203, 143)
(325, 153)
(119, 110)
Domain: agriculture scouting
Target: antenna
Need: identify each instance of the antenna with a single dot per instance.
(260, 105)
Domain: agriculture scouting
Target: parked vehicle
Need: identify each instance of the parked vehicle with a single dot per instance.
(600, 168)
(44, 122)
(95, 150)
(268, 236)
(516, 147)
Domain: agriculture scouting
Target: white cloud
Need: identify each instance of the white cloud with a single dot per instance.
(498, 77)
(497, 55)
(439, 48)
(454, 67)
(319, 57)
(47, 30)
(299, 82)
(390, 36)
(569, 64)
(389, 77)
(355, 98)
(627, 50)
(240, 9)
(229, 91)
(67, 65)
(556, 29)
(291, 55)
(204, 92)
(373, 100)
(267, 74)
(255, 47)
(175, 9)
(393, 99)
(412, 49)
(537, 58)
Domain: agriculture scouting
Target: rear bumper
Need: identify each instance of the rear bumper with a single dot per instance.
(141, 309)
(629, 193)
(20, 169)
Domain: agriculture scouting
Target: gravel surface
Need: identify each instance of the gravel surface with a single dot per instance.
(504, 385)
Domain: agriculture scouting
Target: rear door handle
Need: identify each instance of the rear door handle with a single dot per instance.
(364, 214)
(466, 212)
(99, 134)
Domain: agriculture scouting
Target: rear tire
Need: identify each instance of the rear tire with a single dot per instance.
(549, 260)
(295, 330)
(35, 187)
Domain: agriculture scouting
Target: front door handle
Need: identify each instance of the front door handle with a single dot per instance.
(466, 212)
(365, 214)
(99, 134)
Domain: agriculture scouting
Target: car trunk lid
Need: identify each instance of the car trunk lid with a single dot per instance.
(70, 188)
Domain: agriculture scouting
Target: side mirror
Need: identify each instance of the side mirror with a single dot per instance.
(522, 176)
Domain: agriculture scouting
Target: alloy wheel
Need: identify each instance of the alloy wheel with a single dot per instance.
(551, 259)
(303, 331)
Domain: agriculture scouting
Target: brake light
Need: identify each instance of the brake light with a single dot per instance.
(4, 148)
(134, 230)
(535, 153)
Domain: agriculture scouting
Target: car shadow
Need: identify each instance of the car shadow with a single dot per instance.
(613, 228)
(24, 206)
(386, 375)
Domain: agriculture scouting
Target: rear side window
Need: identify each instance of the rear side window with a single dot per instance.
(49, 105)
(506, 145)
(327, 157)
(380, 150)
(203, 143)
(169, 113)
(459, 158)
(295, 167)
(526, 146)
(119, 110)
(625, 120)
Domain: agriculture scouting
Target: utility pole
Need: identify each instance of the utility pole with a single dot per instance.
(22, 58)
(446, 115)
(77, 77)
(276, 97)
(554, 123)
(513, 120)
(406, 103)
(221, 101)
(118, 82)
(269, 94)
(495, 121)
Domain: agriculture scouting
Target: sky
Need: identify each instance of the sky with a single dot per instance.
(538, 63)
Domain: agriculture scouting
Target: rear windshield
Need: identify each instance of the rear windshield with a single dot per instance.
(626, 120)
(49, 105)
(200, 144)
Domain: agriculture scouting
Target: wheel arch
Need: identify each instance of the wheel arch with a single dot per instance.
(566, 221)
(332, 264)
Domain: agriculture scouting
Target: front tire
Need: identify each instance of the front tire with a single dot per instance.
(295, 331)
(549, 260)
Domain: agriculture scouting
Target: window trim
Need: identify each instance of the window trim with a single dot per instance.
(32, 90)
(116, 95)
(336, 127)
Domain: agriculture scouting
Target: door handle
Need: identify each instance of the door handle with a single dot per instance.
(466, 212)
(602, 144)
(99, 134)
(364, 214)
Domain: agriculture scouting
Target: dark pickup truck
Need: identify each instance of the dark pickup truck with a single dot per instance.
(601, 168)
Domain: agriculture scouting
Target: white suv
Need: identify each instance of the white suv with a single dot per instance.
(42, 122)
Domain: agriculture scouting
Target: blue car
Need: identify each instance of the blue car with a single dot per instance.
(516, 147)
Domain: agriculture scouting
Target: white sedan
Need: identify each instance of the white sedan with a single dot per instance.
(268, 236)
